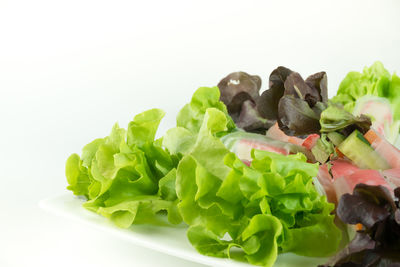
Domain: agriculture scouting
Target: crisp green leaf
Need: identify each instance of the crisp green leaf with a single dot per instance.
(144, 126)
(89, 151)
(267, 228)
(375, 80)
(206, 242)
(191, 115)
(179, 140)
(250, 213)
(144, 210)
(77, 176)
(302, 240)
(166, 186)
(127, 176)
(394, 95)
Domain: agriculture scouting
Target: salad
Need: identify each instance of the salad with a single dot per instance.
(255, 175)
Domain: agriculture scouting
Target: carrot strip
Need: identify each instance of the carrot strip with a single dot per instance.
(359, 226)
(371, 136)
(339, 154)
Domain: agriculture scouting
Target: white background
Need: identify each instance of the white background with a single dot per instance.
(70, 69)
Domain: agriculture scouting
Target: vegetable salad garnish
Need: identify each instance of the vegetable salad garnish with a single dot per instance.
(255, 174)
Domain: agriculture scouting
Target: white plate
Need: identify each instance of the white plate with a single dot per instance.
(168, 240)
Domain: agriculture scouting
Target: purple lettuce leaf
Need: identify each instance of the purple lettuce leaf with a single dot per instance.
(296, 117)
(240, 93)
(319, 82)
(238, 87)
(371, 203)
(278, 76)
(297, 87)
(255, 113)
(354, 252)
(294, 103)
(267, 103)
(378, 243)
(250, 120)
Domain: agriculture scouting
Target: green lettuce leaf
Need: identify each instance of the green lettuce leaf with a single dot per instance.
(127, 176)
(263, 209)
(394, 95)
(335, 118)
(250, 213)
(77, 176)
(192, 114)
(375, 80)
(181, 139)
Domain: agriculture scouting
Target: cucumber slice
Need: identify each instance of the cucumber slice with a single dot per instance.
(357, 149)
(336, 138)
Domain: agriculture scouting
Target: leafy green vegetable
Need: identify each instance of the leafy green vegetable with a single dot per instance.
(376, 81)
(265, 208)
(127, 176)
(323, 149)
(77, 176)
(251, 213)
(335, 118)
(337, 124)
(192, 114)
(374, 92)
(394, 95)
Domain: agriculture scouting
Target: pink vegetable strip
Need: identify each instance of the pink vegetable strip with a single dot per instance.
(342, 167)
(310, 141)
(244, 147)
(326, 181)
(346, 184)
(344, 176)
(277, 134)
(387, 151)
(392, 176)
